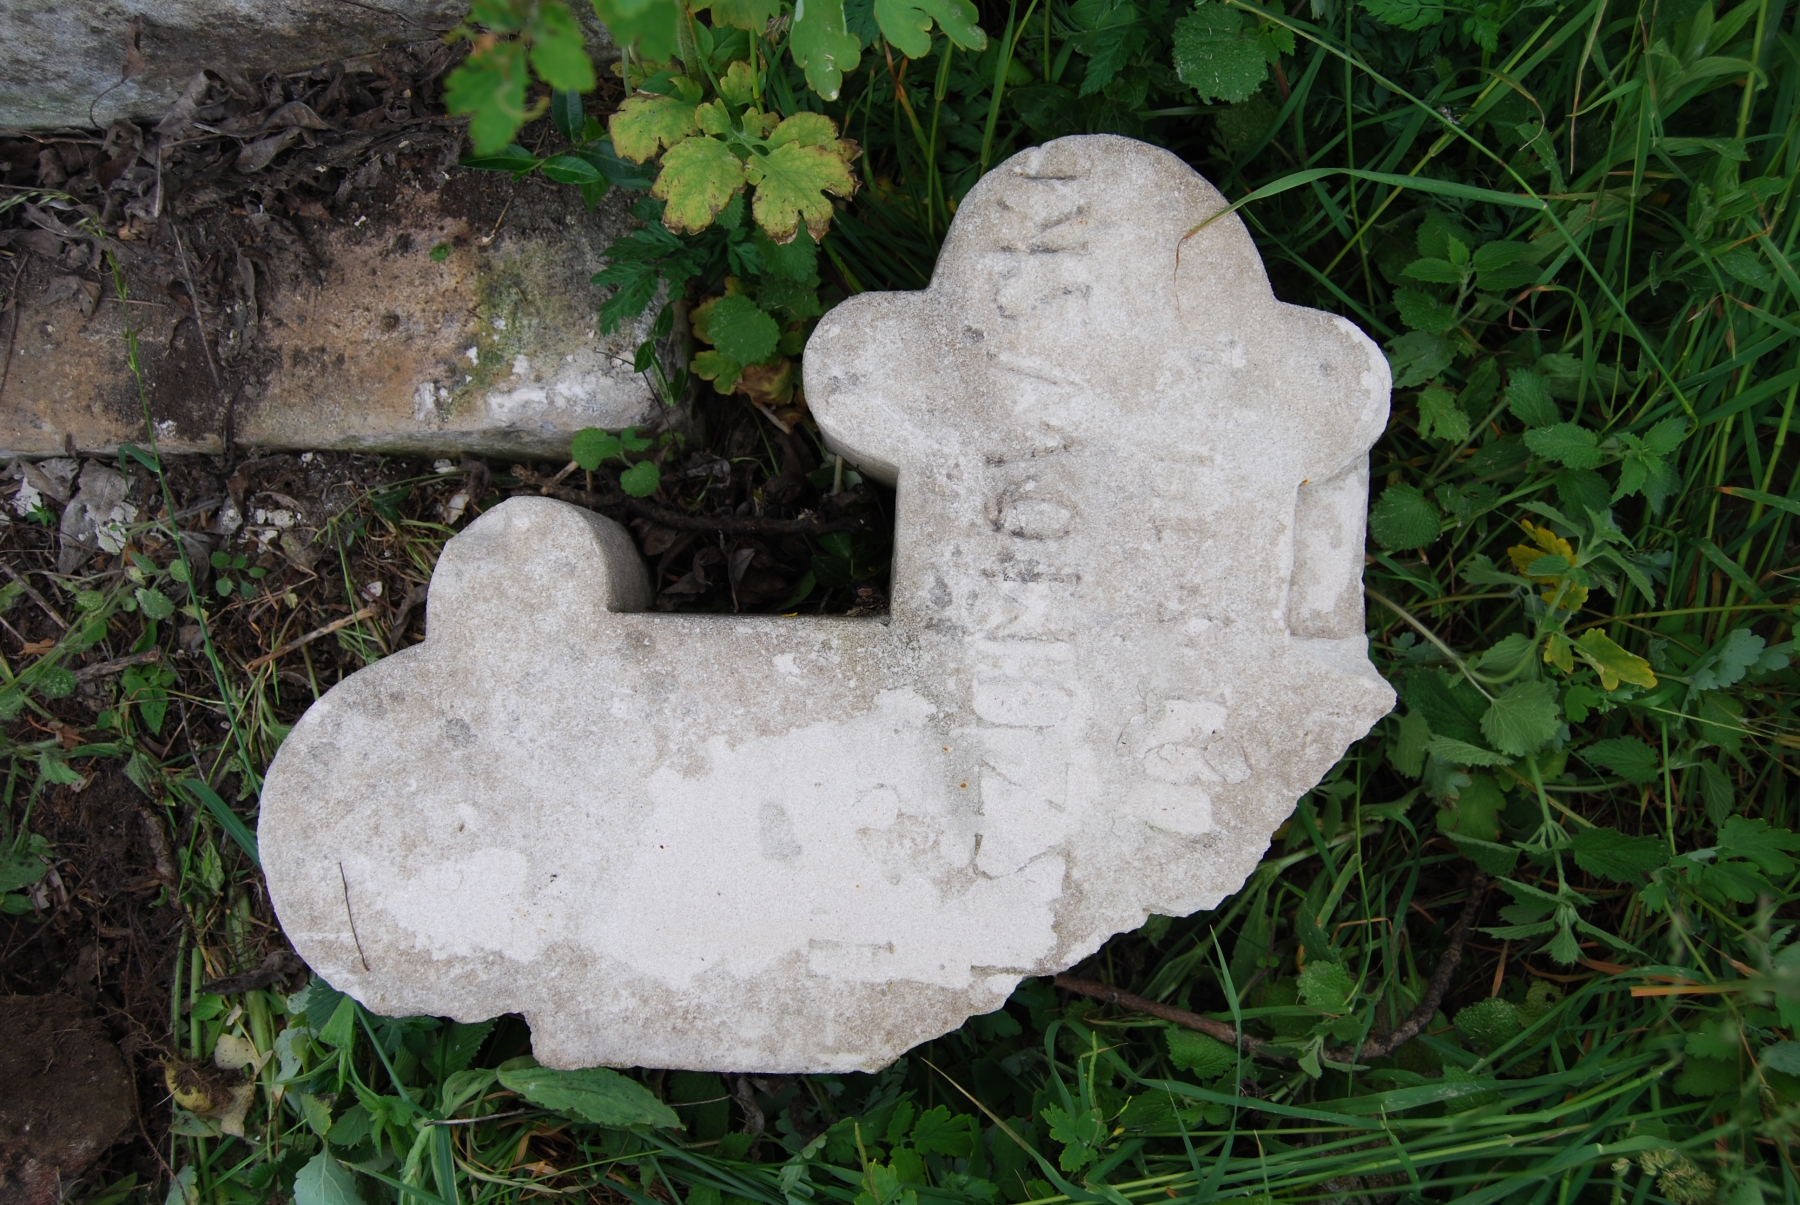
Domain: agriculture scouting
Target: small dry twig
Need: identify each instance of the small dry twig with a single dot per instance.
(313, 635)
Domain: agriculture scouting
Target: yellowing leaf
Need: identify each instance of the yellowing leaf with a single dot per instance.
(699, 177)
(646, 123)
(1612, 663)
(791, 181)
(805, 129)
(720, 369)
(713, 118)
(738, 84)
(1560, 653)
(1547, 543)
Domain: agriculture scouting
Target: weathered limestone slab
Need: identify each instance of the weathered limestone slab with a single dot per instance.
(1126, 636)
(66, 58)
(493, 348)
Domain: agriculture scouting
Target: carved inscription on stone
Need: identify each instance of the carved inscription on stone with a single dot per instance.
(1126, 635)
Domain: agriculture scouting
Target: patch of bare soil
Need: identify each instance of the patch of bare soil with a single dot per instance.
(65, 1096)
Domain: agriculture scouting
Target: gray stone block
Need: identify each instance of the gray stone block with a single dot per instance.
(1126, 636)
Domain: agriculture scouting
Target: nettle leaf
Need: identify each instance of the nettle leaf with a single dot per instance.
(1612, 855)
(1522, 720)
(1417, 356)
(906, 24)
(1462, 753)
(1215, 58)
(646, 123)
(1489, 1024)
(490, 88)
(1440, 417)
(1206, 1057)
(1423, 312)
(791, 181)
(1434, 271)
(324, 1181)
(557, 53)
(1626, 756)
(1612, 663)
(1405, 14)
(741, 331)
(1666, 436)
(698, 179)
(1404, 517)
(1566, 443)
(1326, 986)
(648, 23)
(597, 1094)
(1528, 398)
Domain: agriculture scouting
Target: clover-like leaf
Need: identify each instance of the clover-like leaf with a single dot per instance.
(646, 123)
(791, 181)
(906, 24)
(1215, 57)
(699, 177)
(822, 46)
(591, 446)
(741, 331)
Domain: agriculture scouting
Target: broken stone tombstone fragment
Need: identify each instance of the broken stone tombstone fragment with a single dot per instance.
(1126, 635)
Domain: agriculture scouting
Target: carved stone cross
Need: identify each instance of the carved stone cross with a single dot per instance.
(1126, 634)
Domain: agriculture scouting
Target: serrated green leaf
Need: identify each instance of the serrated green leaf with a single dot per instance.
(1440, 417)
(1326, 985)
(822, 47)
(1523, 719)
(324, 1181)
(646, 123)
(1528, 398)
(596, 1094)
(154, 603)
(1612, 855)
(1434, 271)
(1491, 257)
(1206, 1057)
(1626, 756)
(1423, 312)
(742, 331)
(1565, 443)
(1462, 753)
(1416, 357)
(698, 179)
(721, 370)
(1213, 55)
(938, 1132)
(1475, 812)
(489, 87)
(1489, 1024)
(1405, 14)
(790, 183)
(1404, 517)
(906, 24)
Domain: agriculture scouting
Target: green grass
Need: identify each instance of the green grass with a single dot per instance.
(1576, 240)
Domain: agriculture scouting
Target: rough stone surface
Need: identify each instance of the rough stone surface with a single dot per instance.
(353, 337)
(1126, 635)
(67, 59)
